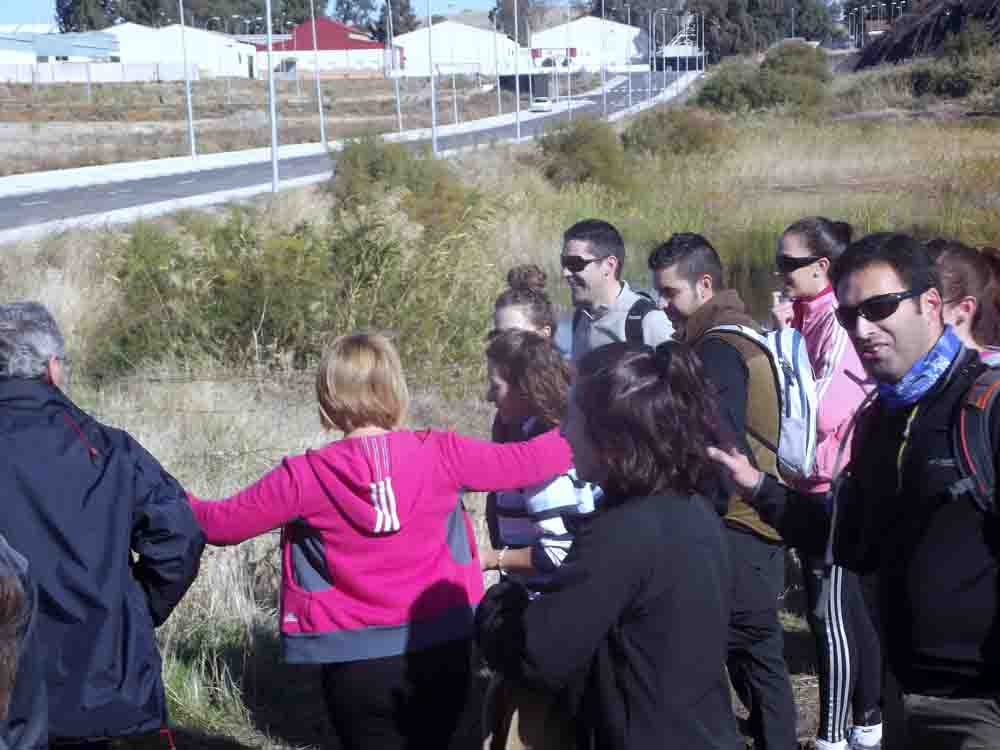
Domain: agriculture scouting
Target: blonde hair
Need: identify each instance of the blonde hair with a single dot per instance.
(360, 383)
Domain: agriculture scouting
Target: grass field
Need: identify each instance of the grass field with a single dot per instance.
(219, 421)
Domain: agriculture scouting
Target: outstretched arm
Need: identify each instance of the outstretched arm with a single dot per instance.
(483, 466)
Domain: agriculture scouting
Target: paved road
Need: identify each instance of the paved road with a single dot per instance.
(55, 205)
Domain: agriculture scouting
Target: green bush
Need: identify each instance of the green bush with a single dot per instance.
(245, 293)
(435, 197)
(741, 87)
(587, 150)
(798, 59)
(974, 40)
(950, 80)
(677, 132)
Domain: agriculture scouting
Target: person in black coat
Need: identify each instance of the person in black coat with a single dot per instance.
(110, 539)
(632, 629)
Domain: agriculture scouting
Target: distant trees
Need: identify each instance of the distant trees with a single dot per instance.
(403, 20)
(354, 12)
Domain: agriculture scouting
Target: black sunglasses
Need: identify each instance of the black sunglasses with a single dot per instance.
(875, 308)
(788, 264)
(574, 263)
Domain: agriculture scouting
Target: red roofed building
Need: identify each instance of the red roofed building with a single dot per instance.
(341, 48)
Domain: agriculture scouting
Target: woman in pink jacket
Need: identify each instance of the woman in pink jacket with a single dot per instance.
(846, 640)
(380, 573)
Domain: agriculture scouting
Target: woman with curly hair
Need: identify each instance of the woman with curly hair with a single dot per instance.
(633, 626)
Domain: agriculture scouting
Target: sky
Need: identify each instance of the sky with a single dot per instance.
(43, 11)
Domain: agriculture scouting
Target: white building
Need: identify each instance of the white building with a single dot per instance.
(210, 53)
(458, 48)
(589, 40)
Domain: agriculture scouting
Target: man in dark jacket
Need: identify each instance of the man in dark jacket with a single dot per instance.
(687, 274)
(903, 509)
(111, 541)
(24, 721)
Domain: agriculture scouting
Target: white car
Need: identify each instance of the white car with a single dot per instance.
(541, 104)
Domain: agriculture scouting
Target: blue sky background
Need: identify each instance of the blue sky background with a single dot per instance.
(43, 11)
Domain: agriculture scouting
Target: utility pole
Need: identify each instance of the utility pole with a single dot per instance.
(628, 62)
(496, 62)
(604, 67)
(569, 63)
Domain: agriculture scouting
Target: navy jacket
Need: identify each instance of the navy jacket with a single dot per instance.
(112, 546)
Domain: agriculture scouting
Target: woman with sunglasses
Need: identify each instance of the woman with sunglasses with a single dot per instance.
(846, 640)
(970, 283)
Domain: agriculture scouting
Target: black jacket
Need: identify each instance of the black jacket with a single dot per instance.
(634, 622)
(112, 546)
(936, 554)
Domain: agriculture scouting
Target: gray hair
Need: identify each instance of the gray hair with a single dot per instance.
(29, 338)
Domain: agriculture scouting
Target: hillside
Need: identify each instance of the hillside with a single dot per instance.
(925, 34)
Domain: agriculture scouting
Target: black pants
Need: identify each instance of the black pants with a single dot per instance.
(407, 702)
(756, 659)
(847, 649)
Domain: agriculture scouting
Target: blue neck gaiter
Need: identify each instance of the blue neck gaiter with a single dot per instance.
(925, 372)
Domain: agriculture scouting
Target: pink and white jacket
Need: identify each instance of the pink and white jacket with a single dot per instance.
(841, 383)
(378, 555)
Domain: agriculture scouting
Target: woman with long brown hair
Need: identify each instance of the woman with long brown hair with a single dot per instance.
(634, 625)
(970, 281)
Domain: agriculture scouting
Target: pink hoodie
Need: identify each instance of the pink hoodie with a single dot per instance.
(841, 383)
(378, 555)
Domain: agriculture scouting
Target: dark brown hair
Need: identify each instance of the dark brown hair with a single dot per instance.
(531, 365)
(13, 612)
(527, 289)
(967, 272)
(824, 238)
(650, 417)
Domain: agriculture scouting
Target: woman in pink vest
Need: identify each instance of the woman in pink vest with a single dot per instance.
(850, 664)
(380, 573)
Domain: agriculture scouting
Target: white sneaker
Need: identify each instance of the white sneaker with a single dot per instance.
(865, 738)
(824, 745)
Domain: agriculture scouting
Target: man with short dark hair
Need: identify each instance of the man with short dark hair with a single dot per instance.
(907, 508)
(110, 538)
(687, 274)
(607, 309)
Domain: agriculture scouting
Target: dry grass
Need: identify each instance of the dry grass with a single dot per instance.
(217, 429)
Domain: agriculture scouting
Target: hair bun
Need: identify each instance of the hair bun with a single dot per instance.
(527, 277)
(842, 231)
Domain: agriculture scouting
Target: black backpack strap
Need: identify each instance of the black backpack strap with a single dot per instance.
(633, 321)
(973, 441)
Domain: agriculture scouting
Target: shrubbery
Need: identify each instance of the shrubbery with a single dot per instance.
(435, 196)
(239, 292)
(677, 132)
(794, 75)
(587, 150)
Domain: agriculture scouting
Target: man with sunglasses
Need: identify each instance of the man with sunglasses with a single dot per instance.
(902, 508)
(607, 309)
(686, 272)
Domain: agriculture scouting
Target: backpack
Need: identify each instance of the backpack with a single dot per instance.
(794, 441)
(972, 440)
(633, 320)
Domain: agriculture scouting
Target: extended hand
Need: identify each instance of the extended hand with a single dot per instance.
(743, 474)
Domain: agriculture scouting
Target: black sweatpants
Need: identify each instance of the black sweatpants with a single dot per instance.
(847, 650)
(407, 702)
(756, 658)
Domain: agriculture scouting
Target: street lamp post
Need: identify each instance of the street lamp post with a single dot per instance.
(569, 64)
(628, 61)
(430, 66)
(517, 73)
(604, 70)
(187, 84)
(496, 62)
(391, 47)
(271, 100)
(319, 89)
(651, 43)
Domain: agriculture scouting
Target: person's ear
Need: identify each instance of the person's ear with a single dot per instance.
(705, 287)
(824, 266)
(932, 298)
(612, 265)
(967, 307)
(545, 331)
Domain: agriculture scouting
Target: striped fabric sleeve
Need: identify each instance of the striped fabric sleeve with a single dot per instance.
(563, 495)
(833, 340)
